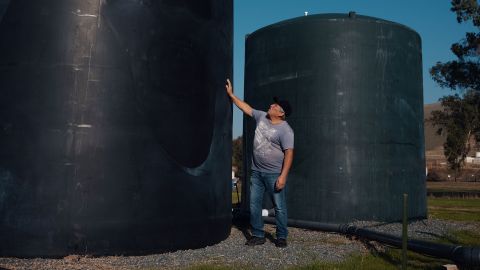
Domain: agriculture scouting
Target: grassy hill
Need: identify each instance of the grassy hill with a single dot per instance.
(433, 141)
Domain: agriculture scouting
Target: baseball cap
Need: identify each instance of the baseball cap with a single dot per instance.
(284, 104)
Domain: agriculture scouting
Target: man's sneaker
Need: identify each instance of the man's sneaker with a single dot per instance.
(254, 241)
(281, 243)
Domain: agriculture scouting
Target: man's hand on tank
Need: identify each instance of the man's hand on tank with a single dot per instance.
(229, 87)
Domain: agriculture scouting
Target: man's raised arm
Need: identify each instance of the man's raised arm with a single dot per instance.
(244, 107)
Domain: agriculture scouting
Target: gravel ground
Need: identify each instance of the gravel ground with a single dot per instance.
(304, 247)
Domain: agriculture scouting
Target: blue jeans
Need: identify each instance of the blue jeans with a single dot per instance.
(259, 183)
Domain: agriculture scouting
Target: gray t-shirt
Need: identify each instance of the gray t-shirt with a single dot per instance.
(269, 143)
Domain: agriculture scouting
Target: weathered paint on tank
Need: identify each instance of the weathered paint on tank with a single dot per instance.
(355, 84)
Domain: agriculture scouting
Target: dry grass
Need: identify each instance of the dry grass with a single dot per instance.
(453, 186)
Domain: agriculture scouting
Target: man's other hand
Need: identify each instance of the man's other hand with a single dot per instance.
(280, 184)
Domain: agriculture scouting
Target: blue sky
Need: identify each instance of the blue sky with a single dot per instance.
(432, 19)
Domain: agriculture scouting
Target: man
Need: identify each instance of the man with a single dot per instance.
(272, 159)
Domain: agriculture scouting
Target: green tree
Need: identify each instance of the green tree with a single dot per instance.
(459, 118)
(463, 73)
(237, 155)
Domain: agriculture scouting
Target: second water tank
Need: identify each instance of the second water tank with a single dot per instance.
(355, 85)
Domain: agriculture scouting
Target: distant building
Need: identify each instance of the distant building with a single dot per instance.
(234, 178)
(473, 160)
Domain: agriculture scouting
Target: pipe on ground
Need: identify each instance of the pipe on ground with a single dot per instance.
(468, 257)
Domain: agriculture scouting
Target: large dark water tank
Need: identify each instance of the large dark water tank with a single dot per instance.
(355, 85)
(3, 7)
(115, 130)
